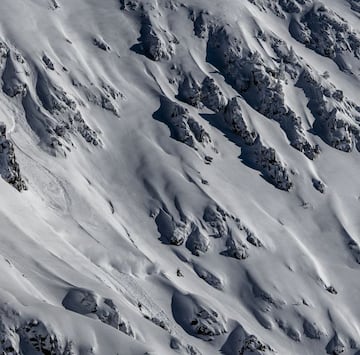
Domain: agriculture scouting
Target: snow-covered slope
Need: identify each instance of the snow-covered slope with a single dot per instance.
(179, 177)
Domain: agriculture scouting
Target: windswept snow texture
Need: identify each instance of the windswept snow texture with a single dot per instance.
(179, 177)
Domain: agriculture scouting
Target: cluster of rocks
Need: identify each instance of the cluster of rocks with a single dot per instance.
(288, 61)
(68, 117)
(100, 43)
(237, 122)
(197, 317)
(178, 345)
(221, 224)
(17, 338)
(197, 242)
(318, 27)
(54, 5)
(48, 62)
(259, 84)
(212, 96)
(335, 346)
(312, 330)
(62, 116)
(289, 330)
(204, 321)
(319, 185)
(252, 345)
(263, 300)
(14, 75)
(244, 343)
(9, 168)
(43, 340)
(130, 5)
(156, 42)
(106, 97)
(171, 231)
(4, 51)
(236, 249)
(257, 154)
(325, 32)
(355, 5)
(207, 94)
(215, 218)
(282, 8)
(200, 21)
(177, 232)
(208, 276)
(217, 224)
(183, 126)
(265, 160)
(354, 249)
(190, 91)
(87, 303)
(336, 117)
(334, 114)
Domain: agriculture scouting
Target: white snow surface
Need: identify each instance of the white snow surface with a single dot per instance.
(127, 240)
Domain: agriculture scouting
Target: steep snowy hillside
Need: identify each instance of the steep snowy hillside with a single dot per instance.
(179, 177)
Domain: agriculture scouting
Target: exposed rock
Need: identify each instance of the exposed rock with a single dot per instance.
(197, 242)
(9, 168)
(200, 25)
(130, 5)
(4, 51)
(326, 33)
(24, 337)
(252, 239)
(177, 345)
(208, 277)
(331, 289)
(100, 43)
(255, 153)
(9, 340)
(319, 185)
(156, 42)
(40, 339)
(62, 106)
(183, 126)
(311, 330)
(265, 5)
(289, 62)
(242, 343)
(292, 333)
(212, 96)
(281, 7)
(354, 249)
(54, 5)
(190, 91)
(264, 300)
(106, 97)
(355, 5)
(86, 302)
(14, 75)
(216, 219)
(272, 167)
(234, 118)
(172, 232)
(253, 345)
(335, 346)
(235, 249)
(197, 318)
(48, 62)
(334, 114)
(259, 84)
